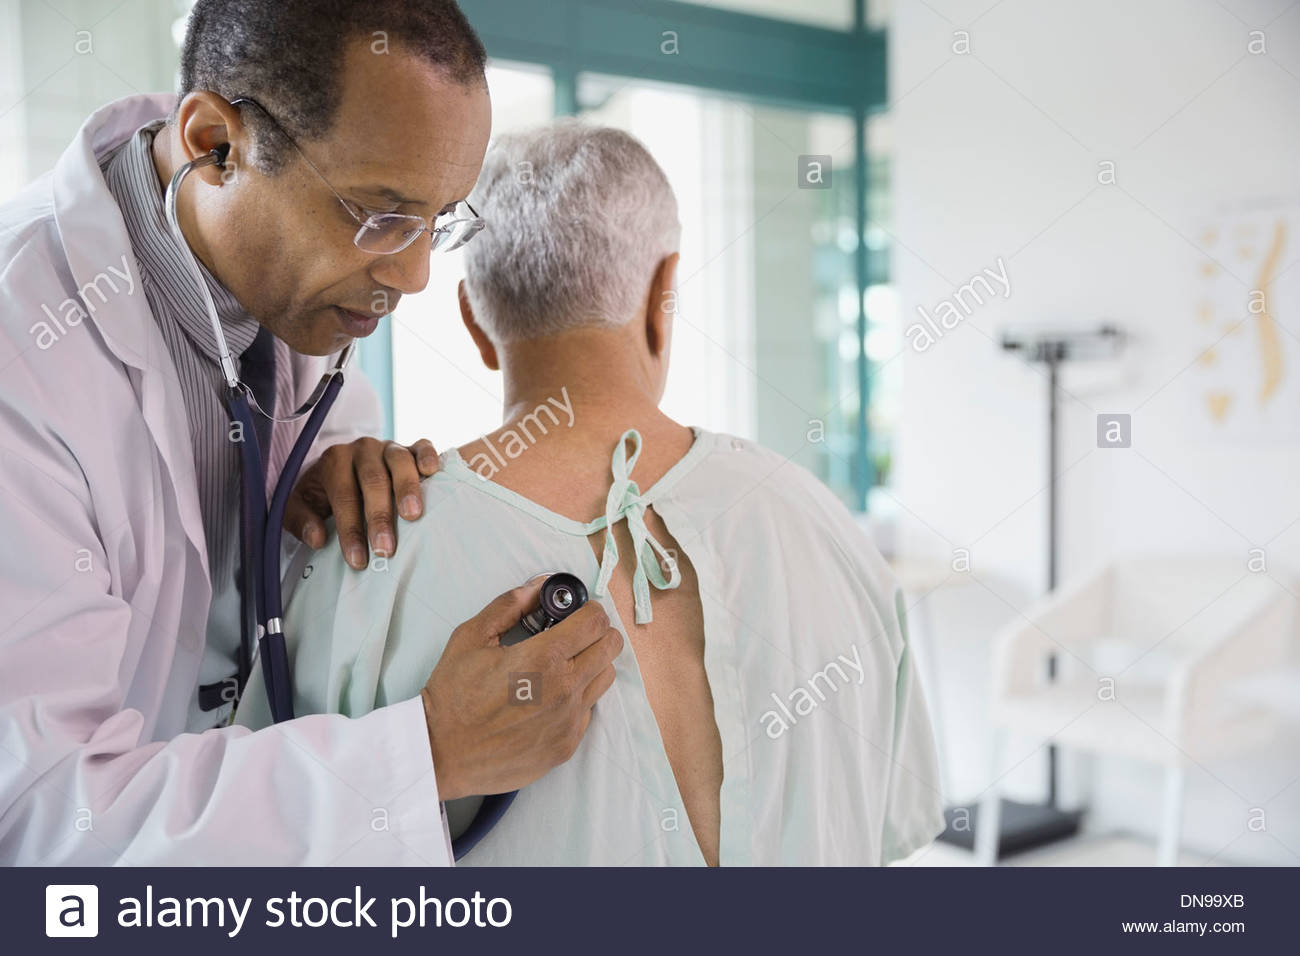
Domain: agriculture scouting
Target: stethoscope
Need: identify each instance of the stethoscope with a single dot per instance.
(261, 614)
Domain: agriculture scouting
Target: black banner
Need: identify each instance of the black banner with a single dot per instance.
(1008, 909)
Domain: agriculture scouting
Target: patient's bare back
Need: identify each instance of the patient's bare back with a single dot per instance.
(572, 478)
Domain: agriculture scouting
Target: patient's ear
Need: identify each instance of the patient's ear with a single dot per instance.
(486, 350)
(661, 308)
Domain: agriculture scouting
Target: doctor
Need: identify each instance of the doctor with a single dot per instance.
(119, 483)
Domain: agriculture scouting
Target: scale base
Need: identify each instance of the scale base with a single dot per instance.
(1024, 826)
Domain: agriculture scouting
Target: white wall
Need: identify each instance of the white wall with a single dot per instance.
(998, 154)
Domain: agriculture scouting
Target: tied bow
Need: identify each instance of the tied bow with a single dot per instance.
(625, 500)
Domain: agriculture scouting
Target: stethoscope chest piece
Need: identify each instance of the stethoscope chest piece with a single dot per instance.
(562, 594)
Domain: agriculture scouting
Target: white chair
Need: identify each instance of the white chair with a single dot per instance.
(1149, 650)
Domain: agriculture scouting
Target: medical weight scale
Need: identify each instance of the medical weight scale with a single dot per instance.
(1024, 826)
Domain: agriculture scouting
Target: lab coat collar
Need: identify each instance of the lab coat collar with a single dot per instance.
(134, 183)
(94, 235)
(92, 231)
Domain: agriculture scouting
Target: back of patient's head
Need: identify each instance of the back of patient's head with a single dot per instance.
(579, 219)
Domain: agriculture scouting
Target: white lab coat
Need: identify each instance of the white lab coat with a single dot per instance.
(104, 587)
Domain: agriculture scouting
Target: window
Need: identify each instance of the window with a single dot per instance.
(441, 389)
(836, 14)
(765, 343)
(786, 330)
(884, 333)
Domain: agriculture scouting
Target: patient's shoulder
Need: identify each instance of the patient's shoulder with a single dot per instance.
(743, 474)
(740, 483)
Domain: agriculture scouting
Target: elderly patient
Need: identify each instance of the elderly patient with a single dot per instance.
(766, 708)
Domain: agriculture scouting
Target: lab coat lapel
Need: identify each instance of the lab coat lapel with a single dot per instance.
(94, 238)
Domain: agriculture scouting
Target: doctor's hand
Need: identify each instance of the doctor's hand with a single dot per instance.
(485, 738)
(357, 483)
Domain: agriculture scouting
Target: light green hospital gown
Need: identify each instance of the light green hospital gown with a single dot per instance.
(828, 752)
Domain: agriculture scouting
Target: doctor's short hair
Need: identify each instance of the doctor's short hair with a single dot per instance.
(288, 55)
(579, 218)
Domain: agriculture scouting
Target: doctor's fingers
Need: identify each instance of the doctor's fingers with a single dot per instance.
(503, 612)
(338, 477)
(381, 469)
(307, 508)
(593, 669)
(426, 456)
(596, 689)
(581, 630)
(407, 465)
(576, 685)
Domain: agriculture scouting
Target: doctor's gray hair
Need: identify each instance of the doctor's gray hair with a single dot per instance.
(288, 55)
(579, 218)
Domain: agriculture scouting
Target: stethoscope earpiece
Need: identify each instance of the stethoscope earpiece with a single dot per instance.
(220, 152)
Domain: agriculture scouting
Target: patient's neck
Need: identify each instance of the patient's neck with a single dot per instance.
(595, 386)
(599, 374)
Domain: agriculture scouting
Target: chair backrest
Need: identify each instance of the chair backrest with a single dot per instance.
(1186, 601)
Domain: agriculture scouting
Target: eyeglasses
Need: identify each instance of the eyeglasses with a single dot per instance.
(385, 233)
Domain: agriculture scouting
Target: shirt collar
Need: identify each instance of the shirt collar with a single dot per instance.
(134, 181)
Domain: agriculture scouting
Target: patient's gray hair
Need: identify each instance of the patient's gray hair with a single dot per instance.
(579, 217)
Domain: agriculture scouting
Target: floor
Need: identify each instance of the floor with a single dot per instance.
(1086, 850)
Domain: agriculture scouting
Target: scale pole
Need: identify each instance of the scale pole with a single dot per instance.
(1054, 356)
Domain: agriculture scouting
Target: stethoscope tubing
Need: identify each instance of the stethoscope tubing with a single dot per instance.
(260, 526)
(252, 513)
(490, 812)
(275, 656)
(261, 529)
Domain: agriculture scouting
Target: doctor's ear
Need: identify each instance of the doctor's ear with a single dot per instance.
(486, 350)
(205, 122)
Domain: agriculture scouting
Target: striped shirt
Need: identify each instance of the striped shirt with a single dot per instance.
(182, 317)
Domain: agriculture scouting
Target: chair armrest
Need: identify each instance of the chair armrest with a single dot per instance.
(1256, 642)
(1068, 617)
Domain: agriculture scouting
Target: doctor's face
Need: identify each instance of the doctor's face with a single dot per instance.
(406, 139)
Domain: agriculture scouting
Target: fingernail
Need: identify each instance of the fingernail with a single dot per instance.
(384, 543)
(428, 463)
(311, 533)
(356, 556)
(410, 507)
